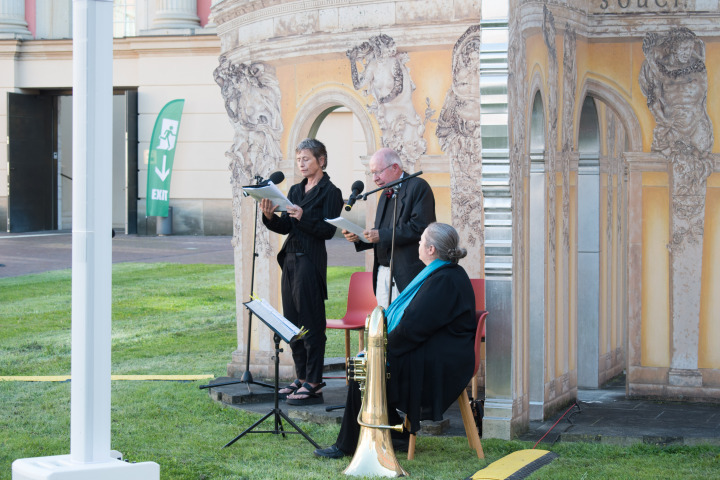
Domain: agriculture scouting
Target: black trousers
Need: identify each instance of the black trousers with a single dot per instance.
(350, 428)
(304, 305)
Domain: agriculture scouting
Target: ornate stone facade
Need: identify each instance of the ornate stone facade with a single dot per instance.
(459, 133)
(386, 77)
(308, 44)
(674, 80)
(252, 101)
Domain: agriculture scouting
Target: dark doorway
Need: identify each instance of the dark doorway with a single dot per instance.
(32, 175)
(40, 161)
(131, 153)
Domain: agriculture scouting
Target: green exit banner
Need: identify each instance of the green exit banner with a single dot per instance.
(161, 156)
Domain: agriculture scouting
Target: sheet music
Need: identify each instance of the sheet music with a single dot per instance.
(270, 191)
(345, 224)
(273, 319)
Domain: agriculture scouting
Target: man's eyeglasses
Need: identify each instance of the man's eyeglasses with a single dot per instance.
(377, 174)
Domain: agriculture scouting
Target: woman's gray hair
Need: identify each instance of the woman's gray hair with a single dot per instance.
(316, 147)
(446, 241)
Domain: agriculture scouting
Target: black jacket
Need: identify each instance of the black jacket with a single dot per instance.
(323, 201)
(415, 211)
(431, 351)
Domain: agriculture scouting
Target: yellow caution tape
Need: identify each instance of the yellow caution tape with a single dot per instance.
(65, 378)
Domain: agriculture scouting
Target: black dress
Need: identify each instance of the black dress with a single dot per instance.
(303, 259)
(431, 354)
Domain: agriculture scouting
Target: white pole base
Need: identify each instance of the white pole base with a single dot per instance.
(61, 467)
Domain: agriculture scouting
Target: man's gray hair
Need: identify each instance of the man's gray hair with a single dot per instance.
(389, 157)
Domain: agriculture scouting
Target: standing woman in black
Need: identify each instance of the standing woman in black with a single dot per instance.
(303, 260)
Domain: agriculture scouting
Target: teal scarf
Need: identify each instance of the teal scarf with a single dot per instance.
(397, 308)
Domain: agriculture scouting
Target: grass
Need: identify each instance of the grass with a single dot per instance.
(180, 319)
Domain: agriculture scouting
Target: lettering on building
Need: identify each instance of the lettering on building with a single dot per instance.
(639, 6)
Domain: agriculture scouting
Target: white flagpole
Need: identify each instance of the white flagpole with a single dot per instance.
(90, 451)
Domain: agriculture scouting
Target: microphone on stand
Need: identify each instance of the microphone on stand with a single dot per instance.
(275, 177)
(356, 188)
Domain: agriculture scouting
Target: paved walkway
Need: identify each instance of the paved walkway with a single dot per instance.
(603, 415)
(600, 416)
(22, 254)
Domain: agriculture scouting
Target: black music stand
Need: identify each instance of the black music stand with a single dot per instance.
(247, 377)
(284, 330)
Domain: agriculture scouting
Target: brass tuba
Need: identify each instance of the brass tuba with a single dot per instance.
(374, 455)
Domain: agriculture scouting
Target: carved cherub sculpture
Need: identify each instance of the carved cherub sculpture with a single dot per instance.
(385, 77)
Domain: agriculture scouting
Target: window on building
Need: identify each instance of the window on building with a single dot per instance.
(124, 18)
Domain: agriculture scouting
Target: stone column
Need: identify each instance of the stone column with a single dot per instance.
(502, 229)
(674, 80)
(176, 14)
(12, 20)
(211, 25)
(689, 170)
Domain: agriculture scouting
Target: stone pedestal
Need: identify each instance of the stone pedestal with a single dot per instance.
(12, 20)
(176, 14)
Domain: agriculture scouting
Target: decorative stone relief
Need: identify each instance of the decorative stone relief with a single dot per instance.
(386, 78)
(458, 131)
(610, 138)
(674, 80)
(517, 100)
(568, 126)
(548, 30)
(252, 100)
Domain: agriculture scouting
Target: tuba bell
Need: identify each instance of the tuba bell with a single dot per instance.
(374, 455)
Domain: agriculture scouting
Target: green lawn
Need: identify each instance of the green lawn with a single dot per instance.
(180, 319)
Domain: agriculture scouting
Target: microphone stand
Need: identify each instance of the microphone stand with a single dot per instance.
(394, 221)
(247, 377)
(392, 241)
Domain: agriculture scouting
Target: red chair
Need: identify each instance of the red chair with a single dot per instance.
(478, 285)
(361, 302)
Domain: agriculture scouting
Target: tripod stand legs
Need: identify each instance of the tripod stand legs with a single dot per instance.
(279, 414)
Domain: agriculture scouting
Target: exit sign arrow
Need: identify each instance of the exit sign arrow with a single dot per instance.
(164, 173)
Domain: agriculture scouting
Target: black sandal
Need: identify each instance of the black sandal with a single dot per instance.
(293, 386)
(312, 396)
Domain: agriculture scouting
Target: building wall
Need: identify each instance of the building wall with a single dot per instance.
(161, 65)
(160, 69)
(641, 326)
(305, 47)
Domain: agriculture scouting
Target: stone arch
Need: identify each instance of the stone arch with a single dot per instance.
(533, 136)
(536, 219)
(588, 243)
(617, 103)
(318, 106)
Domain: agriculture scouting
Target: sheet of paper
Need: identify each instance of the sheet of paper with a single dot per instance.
(345, 224)
(273, 319)
(270, 191)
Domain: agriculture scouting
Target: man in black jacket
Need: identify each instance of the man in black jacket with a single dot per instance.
(415, 211)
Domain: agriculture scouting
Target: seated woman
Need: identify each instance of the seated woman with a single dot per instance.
(431, 341)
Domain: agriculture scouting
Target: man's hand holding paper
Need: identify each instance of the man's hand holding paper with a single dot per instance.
(349, 229)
